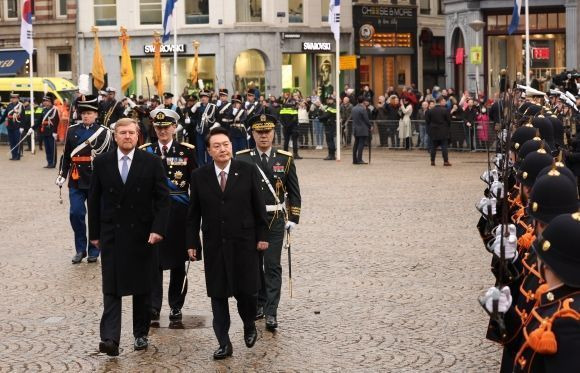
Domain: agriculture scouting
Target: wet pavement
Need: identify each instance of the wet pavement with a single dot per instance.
(387, 267)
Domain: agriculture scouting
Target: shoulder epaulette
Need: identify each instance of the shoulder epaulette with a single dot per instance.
(74, 125)
(285, 153)
(187, 145)
(244, 151)
(144, 146)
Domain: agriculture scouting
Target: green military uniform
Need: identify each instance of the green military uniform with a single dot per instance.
(281, 191)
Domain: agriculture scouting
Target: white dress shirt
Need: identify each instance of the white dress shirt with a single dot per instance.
(169, 145)
(120, 156)
(267, 152)
(219, 170)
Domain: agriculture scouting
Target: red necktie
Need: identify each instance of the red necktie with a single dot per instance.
(164, 150)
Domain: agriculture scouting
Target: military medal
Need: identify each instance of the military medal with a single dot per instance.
(178, 175)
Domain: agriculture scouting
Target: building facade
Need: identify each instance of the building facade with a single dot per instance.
(277, 44)
(54, 28)
(553, 42)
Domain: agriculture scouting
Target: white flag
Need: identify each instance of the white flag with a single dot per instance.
(334, 18)
(26, 26)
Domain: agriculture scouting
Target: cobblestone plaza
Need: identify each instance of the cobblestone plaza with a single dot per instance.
(387, 267)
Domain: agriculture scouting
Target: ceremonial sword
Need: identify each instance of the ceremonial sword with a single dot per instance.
(289, 247)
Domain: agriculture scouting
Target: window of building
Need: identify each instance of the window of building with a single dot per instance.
(12, 9)
(249, 10)
(61, 8)
(250, 67)
(324, 10)
(64, 62)
(440, 7)
(105, 12)
(150, 11)
(196, 12)
(425, 6)
(296, 11)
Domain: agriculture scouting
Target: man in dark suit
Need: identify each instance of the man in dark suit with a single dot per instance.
(128, 211)
(361, 126)
(227, 204)
(438, 122)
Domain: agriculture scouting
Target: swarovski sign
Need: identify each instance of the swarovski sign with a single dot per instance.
(315, 47)
(165, 48)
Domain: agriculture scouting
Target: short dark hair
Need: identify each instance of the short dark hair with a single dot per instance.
(216, 131)
(441, 98)
(360, 99)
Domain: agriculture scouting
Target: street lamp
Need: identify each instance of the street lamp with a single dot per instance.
(477, 26)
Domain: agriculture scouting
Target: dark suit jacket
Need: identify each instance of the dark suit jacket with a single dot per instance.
(232, 222)
(121, 217)
(438, 123)
(361, 124)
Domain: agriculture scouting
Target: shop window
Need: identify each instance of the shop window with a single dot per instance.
(250, 67)
(249, 10)
(324, 10)
(491, 23)
(105, 12)
(440, 7)
(196, 12)
(64, 62)
(425, 6)
(296, 11)
(61, 8)
(12, 9)
(502, 21)
(150, 11)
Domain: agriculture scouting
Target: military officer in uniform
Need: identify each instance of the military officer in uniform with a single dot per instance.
(84, 141)
(14, 112)
(113, 110)
(328, 118)
(202, 118)
(47, 126)
(281, 192)
(179, 161)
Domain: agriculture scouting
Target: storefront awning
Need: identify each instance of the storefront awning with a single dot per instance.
(12, 61)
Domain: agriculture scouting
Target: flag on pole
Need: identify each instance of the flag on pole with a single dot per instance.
(195, 71)
(126, 67)
(515, 17)
(26, 27)
(98, 69)
(157, 74)
(334, 18)
(167, 19)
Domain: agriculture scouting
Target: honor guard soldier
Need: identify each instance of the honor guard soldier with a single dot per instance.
(203, 118)
(328, 118)
(223, 107)
(234, 119)
(179, 161)
(47, 127)
(168, 103)
(112, 110)
(84, 141)
(279, 185)
(252, 107)
(552, 331)
(13, 114)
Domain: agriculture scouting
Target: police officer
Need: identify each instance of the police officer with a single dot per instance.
(328, 118)
(278, 179)
(203, 117)
(179, 161)
(83, 142)
(26, 121)
(552, 333)
(47, 126)
(289, 119)
(14, 112)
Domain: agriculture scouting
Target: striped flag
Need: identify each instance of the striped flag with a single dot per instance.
(334, 18)
(26, 27)
(515, 17)
(167, 19)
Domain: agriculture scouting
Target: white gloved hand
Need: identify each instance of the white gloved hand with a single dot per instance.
(179, 127)
(497, 189)
(511, 228)
(483, 204)
(21, 130)
(490, 176)
(30, 131)
(503, 296)
(510, 245)
(187, 120)
(194, 107)
(55, 136)
(184, 132)
(59, 181)
(214, 126)
(290, 225)
(112, 126)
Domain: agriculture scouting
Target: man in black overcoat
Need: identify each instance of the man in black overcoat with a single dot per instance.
(128, 212)
(226, 203)
(438, 122)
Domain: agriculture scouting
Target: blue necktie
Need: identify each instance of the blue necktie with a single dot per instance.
(124, 169)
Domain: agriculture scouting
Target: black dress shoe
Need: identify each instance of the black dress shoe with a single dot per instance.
(330, 158)
(223, 352)
(250, 336)
(260, 313)
(175, 314)
(271, 322)
(78, 258)
(92, 259)
(141, 343)
(296, 156)
(154, 315)
(109, 347)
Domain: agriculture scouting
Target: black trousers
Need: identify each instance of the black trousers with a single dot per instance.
(111, 320)
(271, 269)
(357, 149)
(175, 298)
(221, 315)
(434, 145)
(291, 132)
(330, 132)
